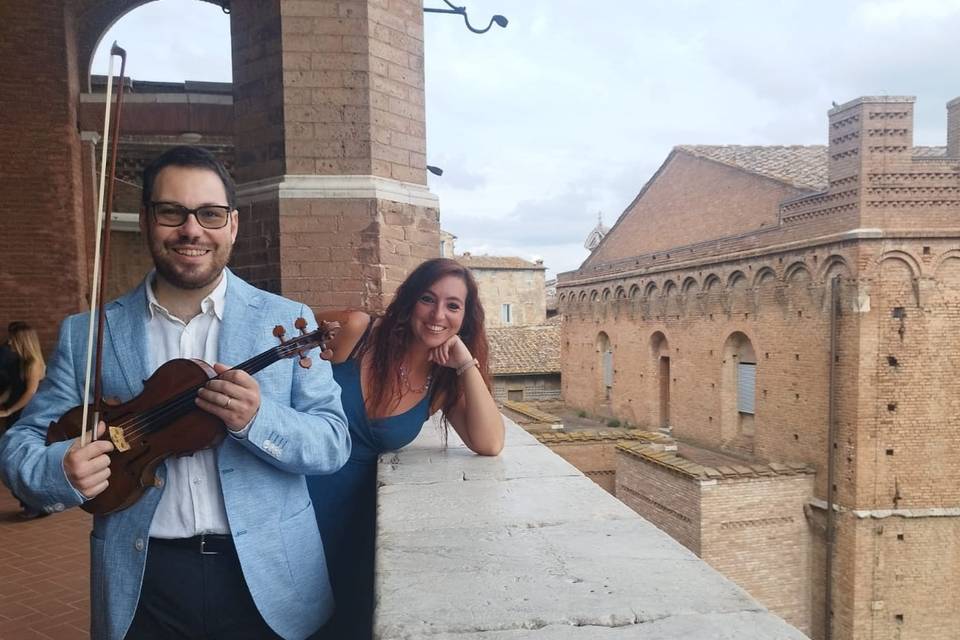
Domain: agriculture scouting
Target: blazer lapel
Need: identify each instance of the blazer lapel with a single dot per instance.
(126, 322)
(239, 319)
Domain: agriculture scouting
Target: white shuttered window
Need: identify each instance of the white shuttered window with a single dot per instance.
(746, 386)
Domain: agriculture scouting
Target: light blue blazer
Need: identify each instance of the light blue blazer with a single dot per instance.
(300, 429)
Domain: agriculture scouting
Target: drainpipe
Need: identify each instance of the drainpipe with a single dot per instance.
(831, 440)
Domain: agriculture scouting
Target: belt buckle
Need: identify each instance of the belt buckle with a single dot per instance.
(203, 547)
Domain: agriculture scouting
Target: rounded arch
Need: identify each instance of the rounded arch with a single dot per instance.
(563, 298)
(606, 294)
(650, 290)
(594, 295)
(620, 293)
(832, 266)
(712, 282)
(738, 392)
(764, 276)
(583, 295)
(947, 257)
(605, 352)
(634, 291)
(736, 279)
(689, 285)
(797, 271)
(659, 344)
(669, 288)
(904, 257)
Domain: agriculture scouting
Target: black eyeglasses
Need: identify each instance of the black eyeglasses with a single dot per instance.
(209, 216)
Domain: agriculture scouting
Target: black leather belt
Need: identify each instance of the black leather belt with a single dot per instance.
(207, 543)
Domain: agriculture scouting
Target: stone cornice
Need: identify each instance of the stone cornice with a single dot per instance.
(336, 187)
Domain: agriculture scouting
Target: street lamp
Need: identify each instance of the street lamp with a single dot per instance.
(498, 19)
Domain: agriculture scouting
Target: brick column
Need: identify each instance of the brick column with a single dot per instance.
(42, 253)
(330, 148)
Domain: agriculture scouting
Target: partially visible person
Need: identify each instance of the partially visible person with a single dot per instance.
(21, 363)
(427, 353)
(25, 345)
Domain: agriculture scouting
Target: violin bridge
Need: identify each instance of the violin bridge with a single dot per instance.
(119, 440)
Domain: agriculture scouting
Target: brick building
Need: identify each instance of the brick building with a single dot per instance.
(796, 306)
(525, 362)
(326, 116)
(512, 289)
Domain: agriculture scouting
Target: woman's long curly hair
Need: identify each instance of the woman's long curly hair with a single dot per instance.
(391, 337)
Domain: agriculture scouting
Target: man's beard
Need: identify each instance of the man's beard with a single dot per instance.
(193, 279)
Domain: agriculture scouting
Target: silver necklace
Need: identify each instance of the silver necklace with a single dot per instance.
(405, 380)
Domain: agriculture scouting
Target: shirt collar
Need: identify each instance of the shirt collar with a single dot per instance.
(213, 303)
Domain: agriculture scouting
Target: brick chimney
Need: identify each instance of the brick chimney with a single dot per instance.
(953, 128)
(869, 131)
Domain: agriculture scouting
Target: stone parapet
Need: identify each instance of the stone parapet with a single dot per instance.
(524, 546)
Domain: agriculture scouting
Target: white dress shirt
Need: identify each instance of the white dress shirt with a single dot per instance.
(192, 501)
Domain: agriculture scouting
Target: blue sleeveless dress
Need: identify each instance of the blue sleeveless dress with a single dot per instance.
(345, 504)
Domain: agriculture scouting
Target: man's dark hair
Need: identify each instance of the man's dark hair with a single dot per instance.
(187, 157)
(16, 326)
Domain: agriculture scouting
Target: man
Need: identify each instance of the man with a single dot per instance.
(226, 544)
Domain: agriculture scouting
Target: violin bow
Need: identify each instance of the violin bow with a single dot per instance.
(102, 245)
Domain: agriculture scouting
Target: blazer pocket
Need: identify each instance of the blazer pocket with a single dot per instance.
(304, 551)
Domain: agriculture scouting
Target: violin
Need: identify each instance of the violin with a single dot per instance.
(164, 420)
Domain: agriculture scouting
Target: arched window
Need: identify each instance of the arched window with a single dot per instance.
(605, 349)
(738, 392)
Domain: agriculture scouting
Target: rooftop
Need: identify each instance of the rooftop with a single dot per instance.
(531, 349)
(497, 262)
(803, 166)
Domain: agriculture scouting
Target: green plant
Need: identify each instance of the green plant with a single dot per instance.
(613, 424)
(581, 414)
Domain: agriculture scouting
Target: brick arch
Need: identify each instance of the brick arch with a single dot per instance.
(689, 284)
(563, 298)
(793, 271)
(95, 17)
(650, 289)
(736, 428)
(711, 281)
(606, 294)
(763, 276)
(902, 256)
(734, 278)
(634, 291)
(594, 295)
(833, 265)
(942, 260)
(583, 295)
(669, 288)
(620, 293)
(946, 275)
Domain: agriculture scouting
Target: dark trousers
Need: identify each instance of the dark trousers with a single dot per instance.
(195, 593)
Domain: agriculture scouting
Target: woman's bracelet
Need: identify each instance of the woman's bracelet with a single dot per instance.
(467, 365)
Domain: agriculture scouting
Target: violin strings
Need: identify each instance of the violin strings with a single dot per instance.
(155, 418)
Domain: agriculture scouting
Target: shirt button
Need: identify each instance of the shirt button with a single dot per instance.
(138, 544)
(58, 506)
(158, 483)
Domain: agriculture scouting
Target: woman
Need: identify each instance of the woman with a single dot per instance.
(24, 342)
(428, 352)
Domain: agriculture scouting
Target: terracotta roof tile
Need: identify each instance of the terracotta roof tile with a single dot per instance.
(803, 166)
(496, 262)
(533, 349)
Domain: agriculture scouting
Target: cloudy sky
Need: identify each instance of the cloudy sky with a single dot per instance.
(572, 107)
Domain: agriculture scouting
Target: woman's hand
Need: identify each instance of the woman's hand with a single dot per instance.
(452, 353)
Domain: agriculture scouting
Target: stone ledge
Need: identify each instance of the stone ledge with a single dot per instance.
(523, 545)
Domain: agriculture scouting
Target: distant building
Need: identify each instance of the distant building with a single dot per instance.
(511, 289)
(596, 235)
(447, 241)
(551, 297)
(525, 362)
(781, 310)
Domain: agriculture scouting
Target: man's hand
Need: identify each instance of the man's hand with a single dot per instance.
(234, 397)
(88, 467)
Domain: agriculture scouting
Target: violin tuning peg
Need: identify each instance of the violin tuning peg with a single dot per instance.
(301, 324)
(306, 362)
(279, 332)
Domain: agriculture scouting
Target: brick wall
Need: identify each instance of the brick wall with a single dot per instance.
(755, 533)
(667, 499)
(533, 387)
(522, 289)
